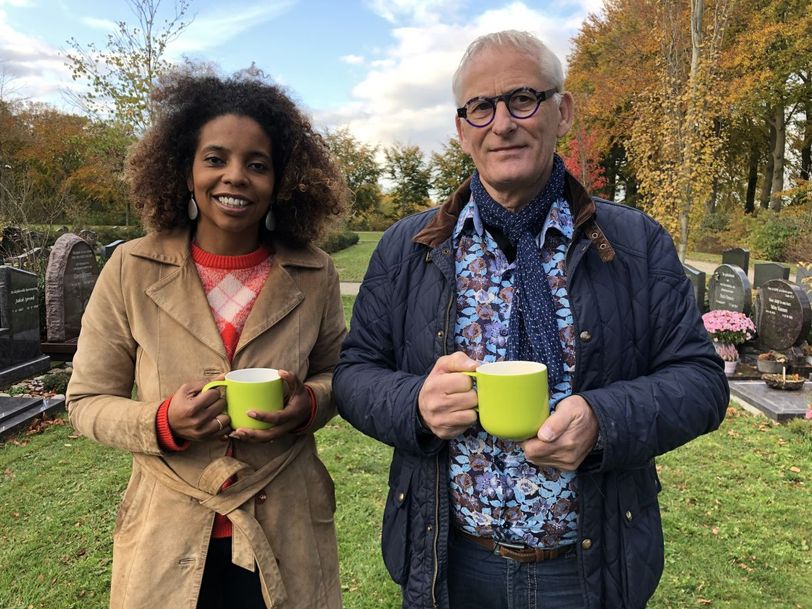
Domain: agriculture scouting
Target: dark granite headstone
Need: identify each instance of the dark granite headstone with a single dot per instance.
(107, 250)
(69, 279)
(766, 271)
(697, 279)
(738, 256)
(20, 353)
(784, 315)
(729, 289)
(16, 412)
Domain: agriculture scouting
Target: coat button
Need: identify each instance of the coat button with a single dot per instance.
(262, 497)
(585, 336)
(440, 334)
(586, 543)
(401, 497)
(429, 528)
(629, 516)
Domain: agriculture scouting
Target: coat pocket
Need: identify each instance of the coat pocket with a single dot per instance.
(395, 537)
(641, 536)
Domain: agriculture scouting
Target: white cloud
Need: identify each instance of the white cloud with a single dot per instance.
(16, 3)
(406, 94)
(413, 11)
(32, 68)
(352, 59)
(213, 28)
(100, 24)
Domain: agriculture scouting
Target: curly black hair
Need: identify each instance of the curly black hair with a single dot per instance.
(309, 191)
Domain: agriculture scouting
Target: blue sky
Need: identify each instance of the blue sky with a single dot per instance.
(380, 67)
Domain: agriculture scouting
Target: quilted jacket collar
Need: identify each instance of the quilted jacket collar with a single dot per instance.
(583, 208)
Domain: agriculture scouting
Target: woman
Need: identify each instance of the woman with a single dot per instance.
(235, 185)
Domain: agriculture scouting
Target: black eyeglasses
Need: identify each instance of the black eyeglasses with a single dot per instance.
(521, 103)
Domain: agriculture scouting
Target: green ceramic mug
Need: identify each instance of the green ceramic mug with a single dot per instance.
(258, 389)
(512, 396)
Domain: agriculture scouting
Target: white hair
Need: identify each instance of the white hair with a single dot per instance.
(525, 42)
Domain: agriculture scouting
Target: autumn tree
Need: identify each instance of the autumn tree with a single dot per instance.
(582, 158)
(449, 168)
(406, 168)
(121, 75)
(360, 169)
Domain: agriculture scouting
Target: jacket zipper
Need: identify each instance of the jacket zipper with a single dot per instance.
(437, 475)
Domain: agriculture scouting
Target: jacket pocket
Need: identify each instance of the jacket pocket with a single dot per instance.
(395, 536)
(641, 535)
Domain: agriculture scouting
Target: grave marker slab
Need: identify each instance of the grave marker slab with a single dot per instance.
(784, 315)
(766, 271)
(107, 250)
(69, 279)
(729, 289)
(804, 279)
(737, 256)
(697, 279)
(20, 354)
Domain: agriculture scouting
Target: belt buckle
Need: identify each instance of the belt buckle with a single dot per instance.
(516, 547)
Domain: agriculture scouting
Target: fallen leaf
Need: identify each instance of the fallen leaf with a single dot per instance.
(795, 469)
(715, 530)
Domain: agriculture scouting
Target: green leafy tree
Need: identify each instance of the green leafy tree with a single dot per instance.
(121, 75)
(360, 169)
(407, 169)
(449, 168)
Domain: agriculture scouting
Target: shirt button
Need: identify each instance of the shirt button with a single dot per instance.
(262, 496)
(586, 544)
(629, 516)
(585, 336)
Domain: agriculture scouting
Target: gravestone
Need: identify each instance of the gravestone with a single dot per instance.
(697, 279)
(20, 354)
(729, 289)
(783, 314)
(766, 271)
(69, 279)
(107, 250)
(738, 256)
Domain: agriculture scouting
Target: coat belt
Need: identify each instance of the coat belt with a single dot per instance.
(250, 544)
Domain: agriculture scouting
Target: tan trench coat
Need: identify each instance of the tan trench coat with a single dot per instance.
(148, 321)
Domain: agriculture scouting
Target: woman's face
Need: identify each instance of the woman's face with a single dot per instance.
(232, 178)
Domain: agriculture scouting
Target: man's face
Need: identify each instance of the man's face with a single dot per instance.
(514, 157)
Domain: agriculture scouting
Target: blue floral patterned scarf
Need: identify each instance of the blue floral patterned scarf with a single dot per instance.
(533, 327)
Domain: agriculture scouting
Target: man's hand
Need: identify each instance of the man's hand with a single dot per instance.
(566, 437)
(447, 401)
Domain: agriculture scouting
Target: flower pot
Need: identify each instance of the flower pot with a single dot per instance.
(770, 366)
(730, 367)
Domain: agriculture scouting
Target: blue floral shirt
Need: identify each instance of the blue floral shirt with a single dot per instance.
(495, 491)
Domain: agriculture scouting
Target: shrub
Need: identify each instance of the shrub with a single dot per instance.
(771, 237)
(337, 241)
(56, 381)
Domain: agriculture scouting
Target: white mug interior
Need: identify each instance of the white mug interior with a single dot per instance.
(253, 375)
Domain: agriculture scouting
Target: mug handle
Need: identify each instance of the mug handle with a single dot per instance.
(473, 376)
(213, 384)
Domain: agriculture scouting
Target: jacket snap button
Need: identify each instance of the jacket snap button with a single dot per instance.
(429, 528)
(440, 333)
(401, 497)
(585, 336)
(262, 496)
(586, 544)
(629, 516)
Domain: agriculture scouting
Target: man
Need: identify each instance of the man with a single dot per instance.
(522, 264)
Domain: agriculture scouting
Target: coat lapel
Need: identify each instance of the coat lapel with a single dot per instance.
(179, 293)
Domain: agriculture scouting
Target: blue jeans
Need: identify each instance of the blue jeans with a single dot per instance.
(478, 579)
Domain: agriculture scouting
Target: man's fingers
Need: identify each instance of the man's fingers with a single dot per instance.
(456, 362)
(556, 424)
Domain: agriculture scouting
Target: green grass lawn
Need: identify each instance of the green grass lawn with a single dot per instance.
(352, 262)
(736, 511)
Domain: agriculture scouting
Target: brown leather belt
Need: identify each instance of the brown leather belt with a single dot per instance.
(517, 552)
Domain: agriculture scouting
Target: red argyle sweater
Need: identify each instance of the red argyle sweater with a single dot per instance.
(232, 284)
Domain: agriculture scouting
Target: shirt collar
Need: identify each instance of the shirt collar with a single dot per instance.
(559, 218)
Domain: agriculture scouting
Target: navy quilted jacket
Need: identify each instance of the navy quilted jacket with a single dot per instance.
(643, 362)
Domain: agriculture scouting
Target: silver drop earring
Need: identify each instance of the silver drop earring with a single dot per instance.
(270, 220)
(191, 208)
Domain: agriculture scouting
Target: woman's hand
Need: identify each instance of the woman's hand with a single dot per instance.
(198, 416)
(295, 413)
